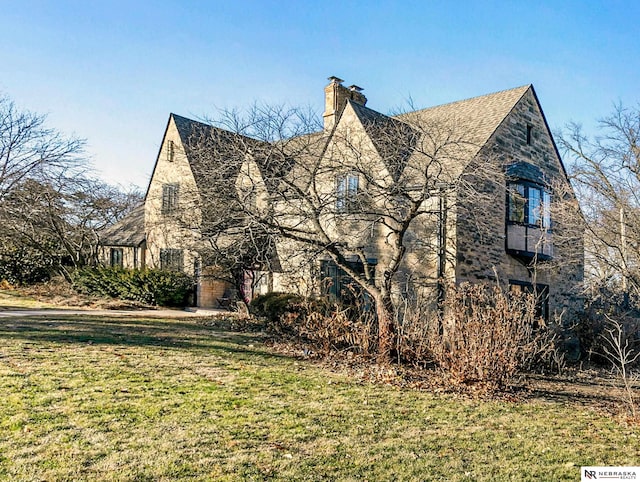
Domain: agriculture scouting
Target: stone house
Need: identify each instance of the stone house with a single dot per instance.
(499, 206)
(124, 243)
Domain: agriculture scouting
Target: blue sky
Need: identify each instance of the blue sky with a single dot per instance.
(112, 71)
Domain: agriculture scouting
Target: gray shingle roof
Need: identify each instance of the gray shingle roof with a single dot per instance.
(129, 231)
(475, 119)
(478, 116)
(216, 155)
(468, 123)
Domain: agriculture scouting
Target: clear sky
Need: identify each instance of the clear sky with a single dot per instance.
(112, 71)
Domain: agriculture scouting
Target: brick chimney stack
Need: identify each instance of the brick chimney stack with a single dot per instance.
(335, 100)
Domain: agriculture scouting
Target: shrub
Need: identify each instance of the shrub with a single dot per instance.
(487, 335)
(23, 267)
(321, 323)
(153, 287)
(273, 306)
(5, 285)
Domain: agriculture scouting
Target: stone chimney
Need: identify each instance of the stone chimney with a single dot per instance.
(335, 100)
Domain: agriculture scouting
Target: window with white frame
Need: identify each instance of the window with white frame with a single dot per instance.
(347, 187)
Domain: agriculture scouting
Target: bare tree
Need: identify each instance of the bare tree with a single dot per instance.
(50, 207)
(606, 174)
(618, 349)
(58, 222)
(29, 149)
(356, 198)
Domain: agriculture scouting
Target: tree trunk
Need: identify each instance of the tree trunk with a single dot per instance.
(386, 328)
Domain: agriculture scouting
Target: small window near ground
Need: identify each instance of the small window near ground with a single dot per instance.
(338, 284)
(171, 259)
(539, 291)
(116, 257)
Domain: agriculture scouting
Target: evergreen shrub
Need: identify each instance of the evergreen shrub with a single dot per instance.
(153, 287)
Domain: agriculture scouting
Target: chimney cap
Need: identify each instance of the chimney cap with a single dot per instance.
(335, 79)
(356, 88)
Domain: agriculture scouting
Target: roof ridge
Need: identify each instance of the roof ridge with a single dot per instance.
(477, 97)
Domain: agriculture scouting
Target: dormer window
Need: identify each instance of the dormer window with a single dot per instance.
(347, 193)
(528, 220)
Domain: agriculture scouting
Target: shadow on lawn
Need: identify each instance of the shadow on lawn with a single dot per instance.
(130, 332)
(600, 392)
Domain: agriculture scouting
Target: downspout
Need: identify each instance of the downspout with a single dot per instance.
(442, 245)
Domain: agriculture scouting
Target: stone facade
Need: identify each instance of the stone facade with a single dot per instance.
(481, 254)
(468, 231)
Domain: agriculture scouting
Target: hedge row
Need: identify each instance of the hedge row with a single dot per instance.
(153, 287)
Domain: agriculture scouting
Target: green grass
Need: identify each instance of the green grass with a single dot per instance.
(18, 300)
(163, 400)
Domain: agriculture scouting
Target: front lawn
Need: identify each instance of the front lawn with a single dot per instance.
(90, 398)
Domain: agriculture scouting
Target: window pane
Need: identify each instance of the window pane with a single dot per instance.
(171, 259)
(546, 210)
(341, 193)
(516, 203)
(346, 193)
(169, 197)
(116, 257)
(535, 206)
(353, 186)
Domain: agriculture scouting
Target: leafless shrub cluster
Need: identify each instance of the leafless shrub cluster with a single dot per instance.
(481, 335)
(321, 325)
(486, 335)
(338, 329)
(618, 348)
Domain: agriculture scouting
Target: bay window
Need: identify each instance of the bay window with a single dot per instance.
(528, 220)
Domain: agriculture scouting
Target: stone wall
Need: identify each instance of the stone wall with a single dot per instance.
(172, 230)
(481, 213)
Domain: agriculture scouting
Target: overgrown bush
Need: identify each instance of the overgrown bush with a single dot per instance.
(24, 267)
(592, 328)
(487, 335)
(416, 323)
(481, 335)
(321, 323)
(153, 287)
(273, 306)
